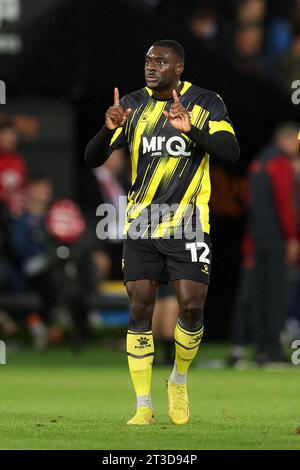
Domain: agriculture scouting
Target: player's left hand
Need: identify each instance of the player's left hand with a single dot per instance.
(178, 116)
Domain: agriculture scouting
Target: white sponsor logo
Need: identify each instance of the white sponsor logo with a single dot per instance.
(296, 93)
(174, 146)
(10, 10)
(296, 353)
(2, 92)
(155, 220)
(2, 353)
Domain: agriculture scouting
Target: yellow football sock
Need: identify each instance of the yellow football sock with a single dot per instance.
(186, 346)
(140, 353)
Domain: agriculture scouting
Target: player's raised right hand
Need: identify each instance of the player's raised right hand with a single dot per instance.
(115, 115)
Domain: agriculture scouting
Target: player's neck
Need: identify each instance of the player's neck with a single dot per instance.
(168, 94)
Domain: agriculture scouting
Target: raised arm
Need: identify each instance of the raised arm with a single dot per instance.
(219, 140)
(111, 135)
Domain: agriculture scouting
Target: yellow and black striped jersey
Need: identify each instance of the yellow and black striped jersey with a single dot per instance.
(167, 167)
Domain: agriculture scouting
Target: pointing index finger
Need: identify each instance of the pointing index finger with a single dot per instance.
(116, 97)
(175, 96)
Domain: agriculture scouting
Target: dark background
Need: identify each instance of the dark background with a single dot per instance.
(69, 55)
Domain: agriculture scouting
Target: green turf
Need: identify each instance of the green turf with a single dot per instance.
(62, 401)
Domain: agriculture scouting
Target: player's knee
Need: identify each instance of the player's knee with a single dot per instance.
(192, 310)
(142, 300)
(141, 306)
(141, 310)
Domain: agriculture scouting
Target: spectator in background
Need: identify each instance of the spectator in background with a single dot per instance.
(27, 231)
(70, 267)
(54, 254)
(247, 55)
(8, 326)
(289, 63)
(13, 171)
(107, 186)
(252, 12)
(203, 23)
(202, 39)
(273, 229)
(13, 178)
(278, 27)
(245, 305)
(293, 321)
(280, 32)
(295, 14)
(28, 240)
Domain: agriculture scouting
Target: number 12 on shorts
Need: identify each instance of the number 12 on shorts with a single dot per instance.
(194, 247)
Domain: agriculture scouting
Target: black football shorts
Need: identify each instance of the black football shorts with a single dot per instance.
(166, 260)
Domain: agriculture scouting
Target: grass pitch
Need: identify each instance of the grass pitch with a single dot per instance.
(58, 400)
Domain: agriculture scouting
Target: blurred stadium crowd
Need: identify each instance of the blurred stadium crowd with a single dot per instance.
(51, 261)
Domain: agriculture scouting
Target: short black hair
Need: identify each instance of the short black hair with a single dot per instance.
(173, 45)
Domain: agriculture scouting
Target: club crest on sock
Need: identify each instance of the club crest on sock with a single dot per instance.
(143, 343)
